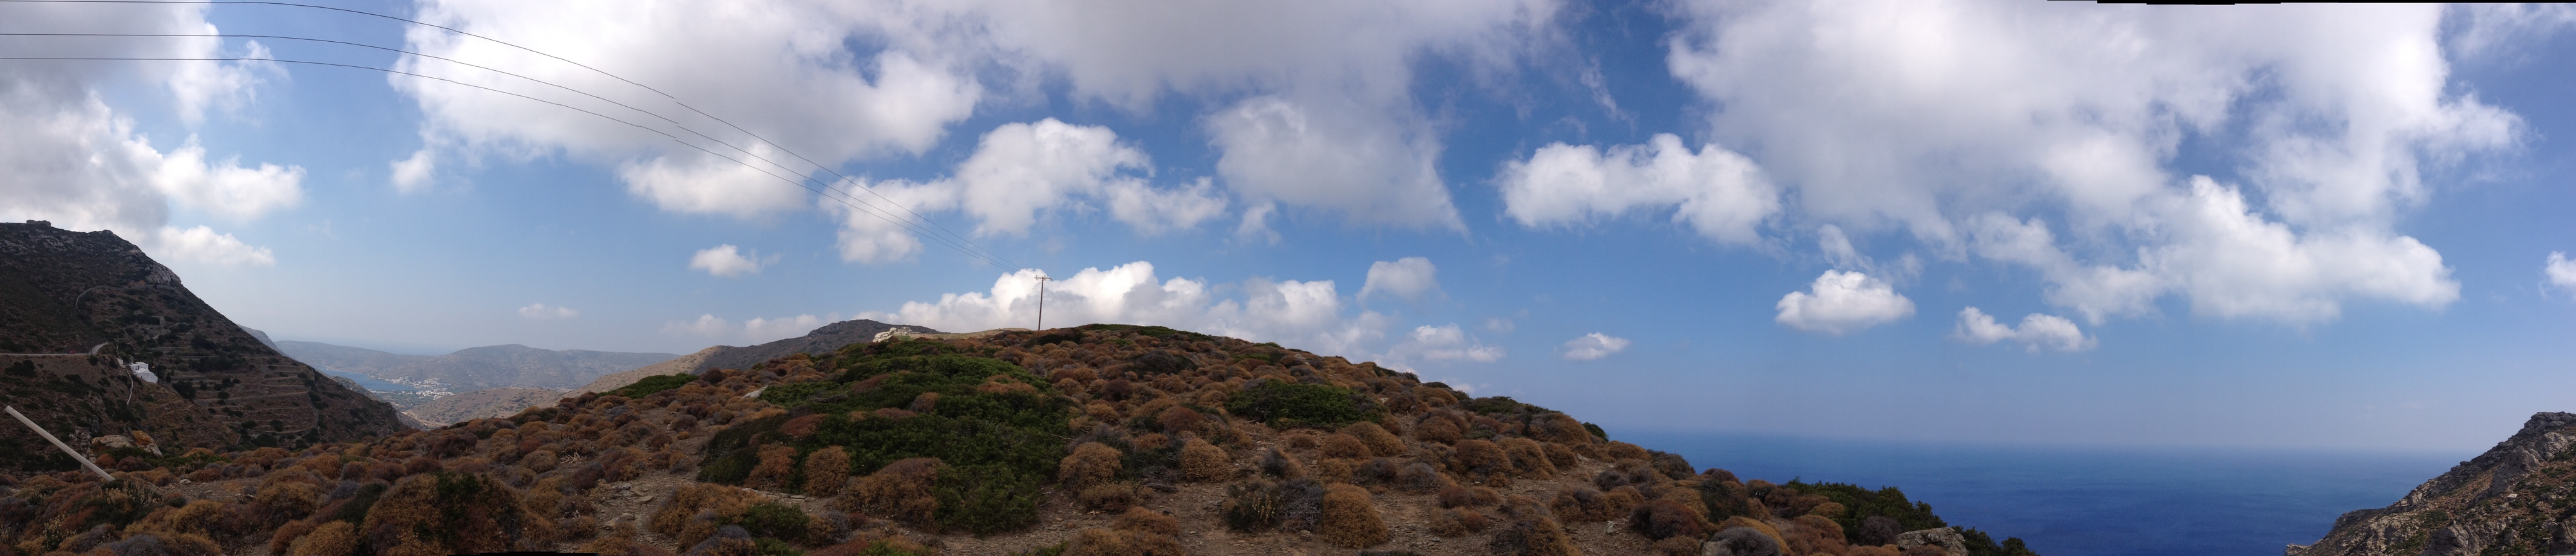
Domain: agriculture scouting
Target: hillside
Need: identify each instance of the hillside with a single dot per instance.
(823, 340)
(71, 292)
(503, 366)
(1102, 440)
(2515, 499)
(685, 364)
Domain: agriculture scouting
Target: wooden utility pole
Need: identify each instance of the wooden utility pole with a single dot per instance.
(67, 449)
(1042, 280)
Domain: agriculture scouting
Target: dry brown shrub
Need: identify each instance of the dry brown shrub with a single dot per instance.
(1534, 536)
(1181, 419)
(419, 515)
(902, 491)
(1457, 522)
(540, 461)
(1301, 441)
(1828, 509)
(1528, 458)
(1091, 463)
(800, 427)
(1617, 450)
(1815, 534)
(1335, 470)
(1755, 524)
(337, 538)
(1338, 445)
(1348, 519)
(284, 538)
(1152, 441)
(1107, 497)
(1563, 457)
(1479, 459)
(1204, 462)
(1677, 546)
(674, 515)
(1141, 520)
(1624, 499)
(199, 517)
(1559, 428)
(776, 461)
(1581, 504)
(1280, 464)
(1436, 429)
(279, 503)
(1435, 397)
(826, 470)
(1098, 542)
(1663, 518)
(1379, 441)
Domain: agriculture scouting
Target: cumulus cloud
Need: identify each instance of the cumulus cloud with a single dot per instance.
(1718, 193)
(1843, 302)
(1447, 343)
(1348, 160)
(754, 331)
(1409, 278)
(76, 161)
(2037, 331)
(541, 311)
(1304, 314)
(413, 174)
(1946, 119)
(726, 260)
(1018, 172)
(202, 245)
(1593, 346)
(2561, 272)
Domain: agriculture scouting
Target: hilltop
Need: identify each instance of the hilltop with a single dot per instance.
(1103, 439)
(80, 312)
(2516, 498)
(477, 368)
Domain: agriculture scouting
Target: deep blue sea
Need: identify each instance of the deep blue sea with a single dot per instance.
(2089, 501)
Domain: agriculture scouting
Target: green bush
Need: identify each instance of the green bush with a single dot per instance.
(653, 384)
(1860, 504)
(765, 546)
(985, 499)
(789, 395)
(774, 520)
(1288, 405)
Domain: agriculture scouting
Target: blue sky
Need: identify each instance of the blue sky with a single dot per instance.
(1949, 221)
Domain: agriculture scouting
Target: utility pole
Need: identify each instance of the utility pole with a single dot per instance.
(1042, 280)
(67, 449)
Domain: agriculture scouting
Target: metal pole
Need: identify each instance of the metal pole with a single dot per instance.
(1042, 280)
(67, 449)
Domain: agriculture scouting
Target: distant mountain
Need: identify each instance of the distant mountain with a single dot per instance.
(2517, 498)
(478, 404)
(481, 368)
(81, 294)
(821, 341)
(828, 338)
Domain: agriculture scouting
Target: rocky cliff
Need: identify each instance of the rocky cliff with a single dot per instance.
(96, 294)
(2517, 498)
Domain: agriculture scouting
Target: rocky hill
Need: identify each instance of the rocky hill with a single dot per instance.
(94, 293)
(503, 366)
(2517, 498)
(820, 341)
(1101, 440)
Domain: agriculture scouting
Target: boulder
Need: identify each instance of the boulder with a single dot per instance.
(1946, 538)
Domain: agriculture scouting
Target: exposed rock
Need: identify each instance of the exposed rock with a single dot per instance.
(2507, 500)
(1946, 538)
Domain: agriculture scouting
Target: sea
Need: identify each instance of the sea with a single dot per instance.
(369, 382)
(2092, 501)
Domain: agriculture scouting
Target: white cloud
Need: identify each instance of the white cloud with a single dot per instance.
(226, 189)
(1018, 172)
(1409, 278)
(201, 244)
(873, 230)
(413, 174)
(1303, 314)
(1499, 325)
(541, 311)
(1447, 343)
(779, 68)
(1718, 193)
(2037, 331)
(1593, 346)
(1151, 212)
(754, 331)
(1349, 160)
(2561, 272)
(1951, 119)
(726, 260)
(1843, 302)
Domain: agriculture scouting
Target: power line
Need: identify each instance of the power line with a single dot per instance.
(825, 192)
(836, 174)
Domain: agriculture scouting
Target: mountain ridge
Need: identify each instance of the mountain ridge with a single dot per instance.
(2519, 497)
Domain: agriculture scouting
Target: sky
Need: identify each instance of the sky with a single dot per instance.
(2330, 227)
